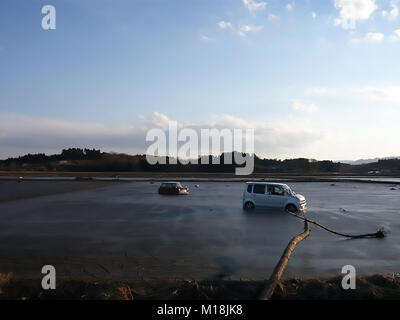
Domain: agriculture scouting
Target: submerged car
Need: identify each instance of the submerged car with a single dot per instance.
(272, 195)
(172, 188)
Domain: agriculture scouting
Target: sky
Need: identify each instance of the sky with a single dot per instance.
(315, 78)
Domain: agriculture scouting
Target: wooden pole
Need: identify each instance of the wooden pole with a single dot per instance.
(280, 267)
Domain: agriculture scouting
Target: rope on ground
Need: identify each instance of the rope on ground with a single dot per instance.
(379, 234)
(275, 278)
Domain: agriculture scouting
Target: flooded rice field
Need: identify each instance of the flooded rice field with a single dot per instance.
(101, 230)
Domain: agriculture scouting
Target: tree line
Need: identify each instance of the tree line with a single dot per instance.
(93, 160)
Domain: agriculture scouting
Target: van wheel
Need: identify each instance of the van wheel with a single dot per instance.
(249, 206)
(291, 208)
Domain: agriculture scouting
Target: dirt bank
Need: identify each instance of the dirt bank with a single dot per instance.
(371, 287)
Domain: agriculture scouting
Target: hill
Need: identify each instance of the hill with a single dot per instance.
(91, 160)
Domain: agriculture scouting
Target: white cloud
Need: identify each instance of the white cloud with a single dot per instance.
(228, 121)
(371, 37)
(291, 136)
(225, 25)
(351, 11)
(374, 36)
(299, 105)
(243, 30)
(206, 38)
(320, 91)
(272, 17)
(253, 5)
(395, 36)
(393, 13)
(290, 6)
(388, 94)
(313, 15)
(156, 119)
(272, 137)
(22, 134)
(371, 93)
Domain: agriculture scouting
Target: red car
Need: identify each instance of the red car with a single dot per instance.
(172, 188)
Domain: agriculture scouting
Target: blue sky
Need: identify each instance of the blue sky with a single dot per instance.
(315, 78)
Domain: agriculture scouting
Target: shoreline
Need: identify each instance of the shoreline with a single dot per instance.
(20, 176)
(374, 287)
(183, 174)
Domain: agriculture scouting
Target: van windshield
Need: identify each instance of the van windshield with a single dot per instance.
(288, 190)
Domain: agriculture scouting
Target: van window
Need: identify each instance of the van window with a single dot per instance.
(249, 188)
(259, 188)
(275, 190)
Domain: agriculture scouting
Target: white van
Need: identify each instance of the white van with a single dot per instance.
(272, 195)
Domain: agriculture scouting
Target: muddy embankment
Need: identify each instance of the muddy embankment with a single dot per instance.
(373, 287)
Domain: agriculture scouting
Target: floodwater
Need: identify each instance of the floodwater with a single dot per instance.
(127, 231)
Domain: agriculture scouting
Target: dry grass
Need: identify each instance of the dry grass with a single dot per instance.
(372, 287)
